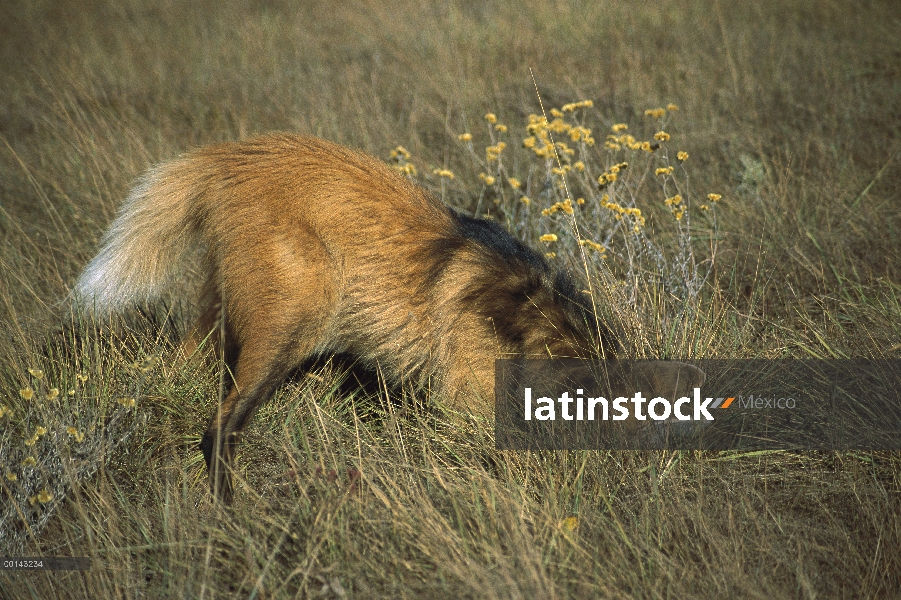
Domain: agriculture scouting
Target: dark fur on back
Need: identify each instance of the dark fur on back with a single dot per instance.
(514, 287)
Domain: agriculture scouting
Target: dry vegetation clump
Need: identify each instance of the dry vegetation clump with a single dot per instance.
(757, 216)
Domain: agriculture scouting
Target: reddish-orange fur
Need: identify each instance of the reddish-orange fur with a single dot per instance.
(314, 248)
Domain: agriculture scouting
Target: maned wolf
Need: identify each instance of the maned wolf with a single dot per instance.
(312, 248)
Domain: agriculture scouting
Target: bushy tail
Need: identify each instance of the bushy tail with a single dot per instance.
(146, 245)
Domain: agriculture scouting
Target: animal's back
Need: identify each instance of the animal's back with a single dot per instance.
(294, 217)
(277, 183)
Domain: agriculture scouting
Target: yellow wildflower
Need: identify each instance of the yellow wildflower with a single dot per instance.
(29, 462)
(574, 105)
(501, 128)
(619, 127)
(464, 137)
(514, 182)
(525, 200)
(661, 135)
(492, 152)
(655, 113)
(491, 118)
(27, 393)
(580, 200)
(566, 206)
(673, 201)
(529, 142)
(10, 476)
(579, 165)
(606, 178)
(565, 149)
(52, 393)
(536, 124)
(406, 168)
(663, 171)
(551, 254)
(36, 373)
(672, 107)
(400, 152)
(703, 207)
(681, 156)
(44, 496)
(569, 524)
(78, 435)
(548, 238)
(714, 197)
(443, 173)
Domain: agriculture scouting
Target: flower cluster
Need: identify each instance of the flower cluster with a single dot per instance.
(39, 432)
(400, 160)
(565, 206)
(588, 195)
(593, 246)
(626, 140)
(676, 205)
(49, 437)
(540, 132)
(75, 434)
(658, 113)
(611, 174)
(574, 105)
(493, 152)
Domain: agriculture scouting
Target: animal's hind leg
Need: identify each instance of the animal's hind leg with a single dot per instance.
(278, 331)
(259, 370)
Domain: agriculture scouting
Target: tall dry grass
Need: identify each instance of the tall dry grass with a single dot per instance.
(791, 111)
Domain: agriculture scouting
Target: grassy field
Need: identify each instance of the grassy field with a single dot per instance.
(790, 111)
